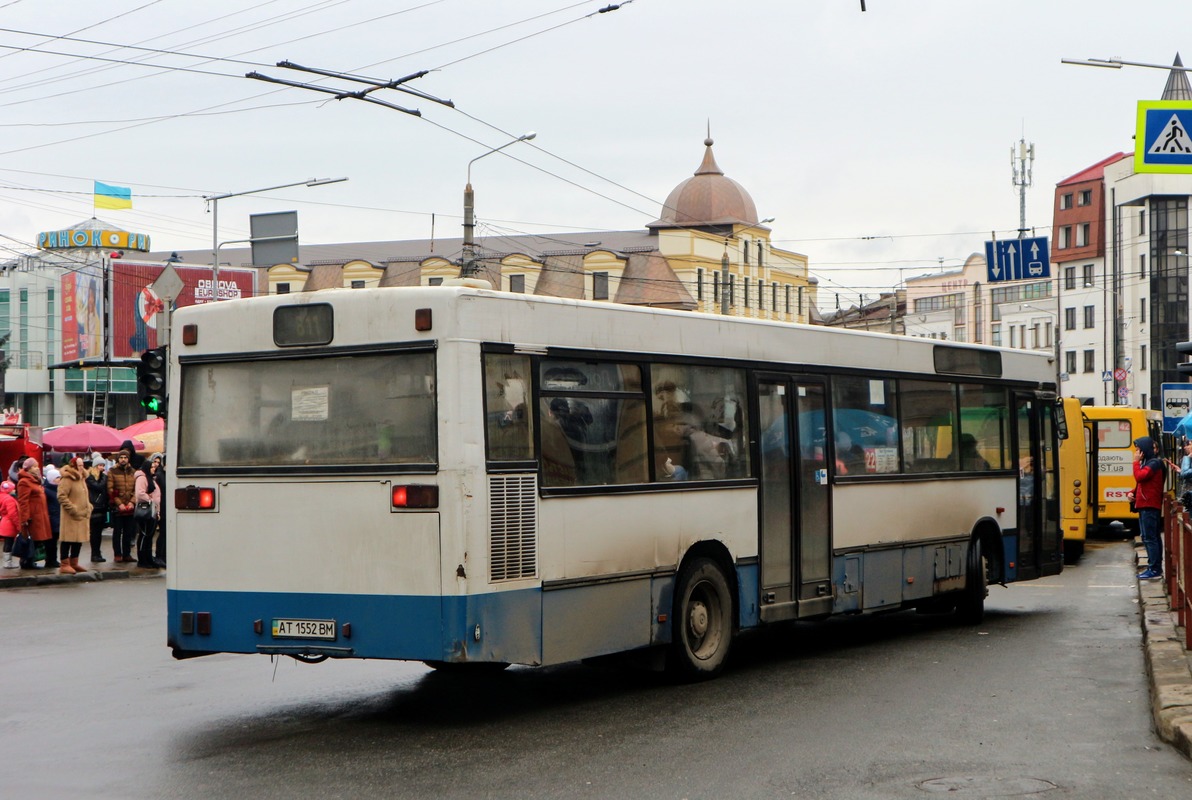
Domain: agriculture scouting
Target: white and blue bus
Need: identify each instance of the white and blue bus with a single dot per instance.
(464, 476)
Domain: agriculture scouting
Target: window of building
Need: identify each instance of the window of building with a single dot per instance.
(788, 298)
(599, 285)
(517, 283)
(1090, 316)
(774, 295)
(1082, 234)
(760, 260)
(1069, 278)
(434, 282)
(357, 285)
(747, 291)
(1142, 361)
(1070, 318)
(1090, 363)
(1142, 222)
(1142, 310)
(1065, 201)
(1065, 237)
(1070, 361)
(699, 283)
(1089, 277)
(283, 288)
(1142, 266)
(745, 252)
(1085, 197)
(996, 336)
(761, 295)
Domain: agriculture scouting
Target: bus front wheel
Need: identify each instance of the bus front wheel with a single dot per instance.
(970, 608)
(702, 621)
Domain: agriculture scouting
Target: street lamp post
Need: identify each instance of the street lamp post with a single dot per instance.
(214, 201)
(467, 267)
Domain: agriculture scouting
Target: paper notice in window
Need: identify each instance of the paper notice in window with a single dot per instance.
(309, 404)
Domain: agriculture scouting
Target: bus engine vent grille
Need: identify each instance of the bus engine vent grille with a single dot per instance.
(513, 527)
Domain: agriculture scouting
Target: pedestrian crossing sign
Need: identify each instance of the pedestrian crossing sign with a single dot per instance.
(1163, 137)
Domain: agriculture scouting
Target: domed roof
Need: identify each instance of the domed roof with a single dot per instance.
(707, 198)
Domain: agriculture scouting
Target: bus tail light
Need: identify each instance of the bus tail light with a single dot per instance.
(194, 498)
(415, 496)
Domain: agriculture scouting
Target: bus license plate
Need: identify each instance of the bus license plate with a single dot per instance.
(304, 629)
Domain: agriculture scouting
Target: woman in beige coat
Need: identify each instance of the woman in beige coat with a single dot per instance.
(75, 500)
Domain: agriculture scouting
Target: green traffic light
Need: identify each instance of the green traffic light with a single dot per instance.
(152, 404)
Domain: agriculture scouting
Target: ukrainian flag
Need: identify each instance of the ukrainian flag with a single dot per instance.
(112, 196)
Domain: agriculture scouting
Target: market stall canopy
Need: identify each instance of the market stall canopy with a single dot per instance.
(86, 437)
(150, 433)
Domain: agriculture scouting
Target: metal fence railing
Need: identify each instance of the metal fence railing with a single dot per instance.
(1177, 557)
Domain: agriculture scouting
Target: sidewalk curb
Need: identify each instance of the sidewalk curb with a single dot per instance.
(91, 576)
(1168, 667)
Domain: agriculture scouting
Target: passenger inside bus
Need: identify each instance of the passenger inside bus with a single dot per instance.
(970, 454)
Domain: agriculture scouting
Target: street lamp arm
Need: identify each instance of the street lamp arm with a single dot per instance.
(525, 137)
(214, 201)
(308, 182)
(1117, 63)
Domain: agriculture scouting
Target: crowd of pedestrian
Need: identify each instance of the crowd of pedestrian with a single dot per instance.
(48, 513)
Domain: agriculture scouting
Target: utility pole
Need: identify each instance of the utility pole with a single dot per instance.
(1021, 164)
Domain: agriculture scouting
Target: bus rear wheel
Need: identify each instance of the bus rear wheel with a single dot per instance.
(970, 608)
(702, 622)
(1073, 550)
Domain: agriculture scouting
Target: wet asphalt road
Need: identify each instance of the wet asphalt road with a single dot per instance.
(1049, 692)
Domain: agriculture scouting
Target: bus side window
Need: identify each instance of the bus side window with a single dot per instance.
(698, 423)
(508, 423)
(929, 420)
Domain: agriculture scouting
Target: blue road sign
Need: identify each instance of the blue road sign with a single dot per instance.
(1177, 405)
(1163, 136)
(1018, 259)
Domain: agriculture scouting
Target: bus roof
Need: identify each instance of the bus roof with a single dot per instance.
(386, 315)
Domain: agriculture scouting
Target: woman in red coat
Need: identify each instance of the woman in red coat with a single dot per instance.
(31, 497)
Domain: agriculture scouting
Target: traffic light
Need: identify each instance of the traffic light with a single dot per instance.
(151, 381)
(1184, 349)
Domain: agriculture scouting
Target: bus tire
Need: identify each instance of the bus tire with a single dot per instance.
(970, 608)
(702, 622)
(1073, 550)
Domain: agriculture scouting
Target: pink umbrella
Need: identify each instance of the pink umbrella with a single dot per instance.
(85, 437)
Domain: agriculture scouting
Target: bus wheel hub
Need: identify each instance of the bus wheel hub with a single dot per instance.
(697, 621)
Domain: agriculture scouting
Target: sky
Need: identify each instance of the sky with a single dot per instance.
(878, 140)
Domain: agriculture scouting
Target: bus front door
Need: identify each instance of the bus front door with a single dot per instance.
(1040, 537)
(795, 546)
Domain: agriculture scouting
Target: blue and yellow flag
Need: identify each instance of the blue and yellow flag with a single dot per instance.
(112, 196)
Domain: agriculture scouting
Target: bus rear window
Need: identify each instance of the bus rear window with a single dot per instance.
(325, 411)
